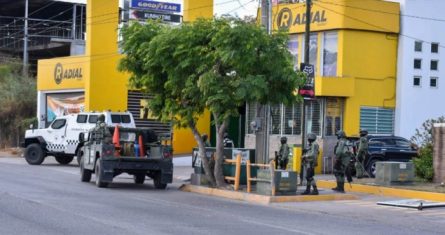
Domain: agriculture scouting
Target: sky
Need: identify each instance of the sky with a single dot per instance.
(239, 8)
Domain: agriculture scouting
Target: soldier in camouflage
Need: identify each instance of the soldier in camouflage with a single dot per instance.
(342, 158)
(283, 154)
(310, 161)
(361, 154)
(101, 131)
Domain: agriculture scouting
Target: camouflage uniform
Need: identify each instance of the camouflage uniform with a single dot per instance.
(310, 161)
(283, 154)
(342, 159)
(361, 154)
(101, 131)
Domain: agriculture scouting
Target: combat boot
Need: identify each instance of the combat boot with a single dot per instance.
(308, 190)
(341, 187)
(336, 187)
(315, 191)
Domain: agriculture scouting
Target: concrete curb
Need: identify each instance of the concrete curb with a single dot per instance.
(386, 191)
(262, 199)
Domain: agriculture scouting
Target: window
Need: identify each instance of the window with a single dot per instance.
(402, 143)
(116, 118)
(292, 119)
(82, 118)
(434, 47)
(377, 120)
(275, 114)
(433, 81)
(333, 119)
(125, 119)
(417, 63)
(92, 119)
(58, 123)
(293, 49)
(418, 46)
(313, 49)
(251, 116)
(434, 64)
(417, 81)
(313, 117)
(330, 54)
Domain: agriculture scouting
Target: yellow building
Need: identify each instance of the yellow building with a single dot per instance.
(91, 82)
(353, 45)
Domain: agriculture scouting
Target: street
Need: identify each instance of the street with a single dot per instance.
(50, 199)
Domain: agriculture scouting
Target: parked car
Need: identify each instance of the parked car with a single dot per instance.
(386, 148)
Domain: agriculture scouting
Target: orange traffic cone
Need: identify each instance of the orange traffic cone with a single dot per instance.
(141, 147)
(116, 137)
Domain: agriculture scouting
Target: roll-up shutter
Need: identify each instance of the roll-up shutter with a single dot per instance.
(134, 107)
(377, 120)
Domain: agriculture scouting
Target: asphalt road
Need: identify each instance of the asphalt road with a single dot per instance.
(50, 199)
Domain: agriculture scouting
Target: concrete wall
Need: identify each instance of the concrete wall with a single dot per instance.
(422, 100)
(439, 152)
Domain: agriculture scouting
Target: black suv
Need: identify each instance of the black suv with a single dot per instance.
(387, 148)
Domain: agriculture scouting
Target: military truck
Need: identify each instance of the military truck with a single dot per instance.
(108, 158)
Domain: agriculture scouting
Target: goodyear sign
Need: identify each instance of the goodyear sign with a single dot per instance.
(61, 73)
(156, 6)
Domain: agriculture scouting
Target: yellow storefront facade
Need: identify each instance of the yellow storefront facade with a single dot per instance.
(353, 46)
(91, 82)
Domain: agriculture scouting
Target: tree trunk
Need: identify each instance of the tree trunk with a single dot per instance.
(219, 161)
(202, 155)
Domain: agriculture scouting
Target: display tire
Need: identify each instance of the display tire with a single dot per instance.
(34, 154)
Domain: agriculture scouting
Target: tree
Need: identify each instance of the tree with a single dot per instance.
(17, 102)
(217, 64)
(423, 138)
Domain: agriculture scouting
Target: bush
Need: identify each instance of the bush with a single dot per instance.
(423, 164)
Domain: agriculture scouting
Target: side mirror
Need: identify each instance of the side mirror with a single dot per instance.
(81, 137)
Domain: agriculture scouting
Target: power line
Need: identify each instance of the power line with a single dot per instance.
(376, 26)
(384, 12)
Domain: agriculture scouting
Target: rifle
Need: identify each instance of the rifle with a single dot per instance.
(277, 159)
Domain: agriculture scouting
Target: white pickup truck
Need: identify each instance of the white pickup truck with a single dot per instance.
(61, 138)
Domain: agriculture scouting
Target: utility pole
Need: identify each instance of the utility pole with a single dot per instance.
(306, 61)
(263, 111)
(73, 25)
(25, 42)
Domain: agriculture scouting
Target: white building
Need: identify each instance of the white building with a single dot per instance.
(421, 65)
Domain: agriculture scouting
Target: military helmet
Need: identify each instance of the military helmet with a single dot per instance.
(283, 139)
(311, 137)
(101, 118)
(363, 132)
(340, 134)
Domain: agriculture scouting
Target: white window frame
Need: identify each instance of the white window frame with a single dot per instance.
(437, 82)
(414, 63)
(420, 81)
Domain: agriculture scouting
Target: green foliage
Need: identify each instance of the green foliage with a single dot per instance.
(423, 138)
(424, 134)
(423, 164)
(218, 64)
(17, 103)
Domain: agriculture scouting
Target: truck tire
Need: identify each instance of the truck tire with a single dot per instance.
(139, 178)
(99, 176)
(372, 169)
(157, 181)
(34, 154)
(85, 174)
(64, 160)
